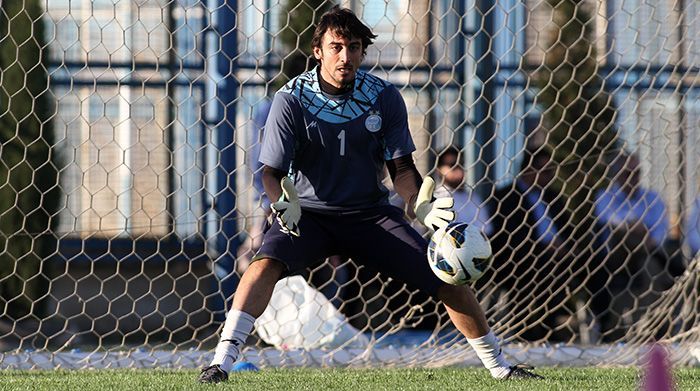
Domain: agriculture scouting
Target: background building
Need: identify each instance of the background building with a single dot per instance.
(152, 136)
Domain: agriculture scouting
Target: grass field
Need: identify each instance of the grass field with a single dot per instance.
(337, 379)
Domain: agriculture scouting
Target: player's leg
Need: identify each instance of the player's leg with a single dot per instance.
(391, 246)
(468, 317)
(251, 244)
(464, 310)
(252, 296)
(256, 286)
(280, 254)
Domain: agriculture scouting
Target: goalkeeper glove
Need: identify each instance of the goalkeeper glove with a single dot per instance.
(287, 209)
(433, 213)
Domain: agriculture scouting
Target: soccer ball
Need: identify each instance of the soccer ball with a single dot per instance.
(459, 253)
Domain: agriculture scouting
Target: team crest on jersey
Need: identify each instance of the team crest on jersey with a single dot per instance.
(373, 122)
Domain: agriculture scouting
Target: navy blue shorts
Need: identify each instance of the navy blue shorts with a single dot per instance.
(379, 239)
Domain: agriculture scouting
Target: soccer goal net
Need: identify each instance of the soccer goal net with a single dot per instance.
(130, 196)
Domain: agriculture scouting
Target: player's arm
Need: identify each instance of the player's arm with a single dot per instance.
(276, 154)
(418, 194)
(287, 210)
(271, 179)
(406, 179)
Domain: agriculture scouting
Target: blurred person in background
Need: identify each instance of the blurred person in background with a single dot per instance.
(469, 207)
(633, 228)
(532, 261)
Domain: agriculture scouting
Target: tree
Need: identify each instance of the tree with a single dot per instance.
(578, 115)
(298, 20)
(28, 179)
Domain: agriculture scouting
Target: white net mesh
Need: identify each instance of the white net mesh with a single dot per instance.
(130, 201)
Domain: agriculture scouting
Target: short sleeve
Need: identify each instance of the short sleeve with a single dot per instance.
(278, 143)
(396, 132)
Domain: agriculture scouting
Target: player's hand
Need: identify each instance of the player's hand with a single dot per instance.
(433, 213)
(287, 209)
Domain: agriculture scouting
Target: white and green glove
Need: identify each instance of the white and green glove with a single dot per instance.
(287, 209)
(433, 213)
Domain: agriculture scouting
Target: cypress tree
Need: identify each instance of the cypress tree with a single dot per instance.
(28, 179)
(297, 24)
(577, 113)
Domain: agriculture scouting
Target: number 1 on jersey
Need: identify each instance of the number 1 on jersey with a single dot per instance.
(341, 136)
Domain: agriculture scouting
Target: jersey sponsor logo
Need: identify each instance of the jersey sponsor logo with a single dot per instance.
(373, 122)
(336, 111)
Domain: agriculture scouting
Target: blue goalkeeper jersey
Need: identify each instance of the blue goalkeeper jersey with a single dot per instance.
(336, 146)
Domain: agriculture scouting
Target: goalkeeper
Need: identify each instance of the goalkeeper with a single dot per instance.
(330, 133)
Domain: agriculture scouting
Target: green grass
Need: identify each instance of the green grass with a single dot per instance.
(337, 379)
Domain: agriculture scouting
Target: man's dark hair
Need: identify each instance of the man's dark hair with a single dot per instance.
(344, 23)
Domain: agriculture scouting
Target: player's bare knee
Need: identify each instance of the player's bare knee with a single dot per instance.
(452, 295)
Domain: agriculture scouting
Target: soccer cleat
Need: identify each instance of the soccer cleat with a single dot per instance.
(213, 374)
(522, 371)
